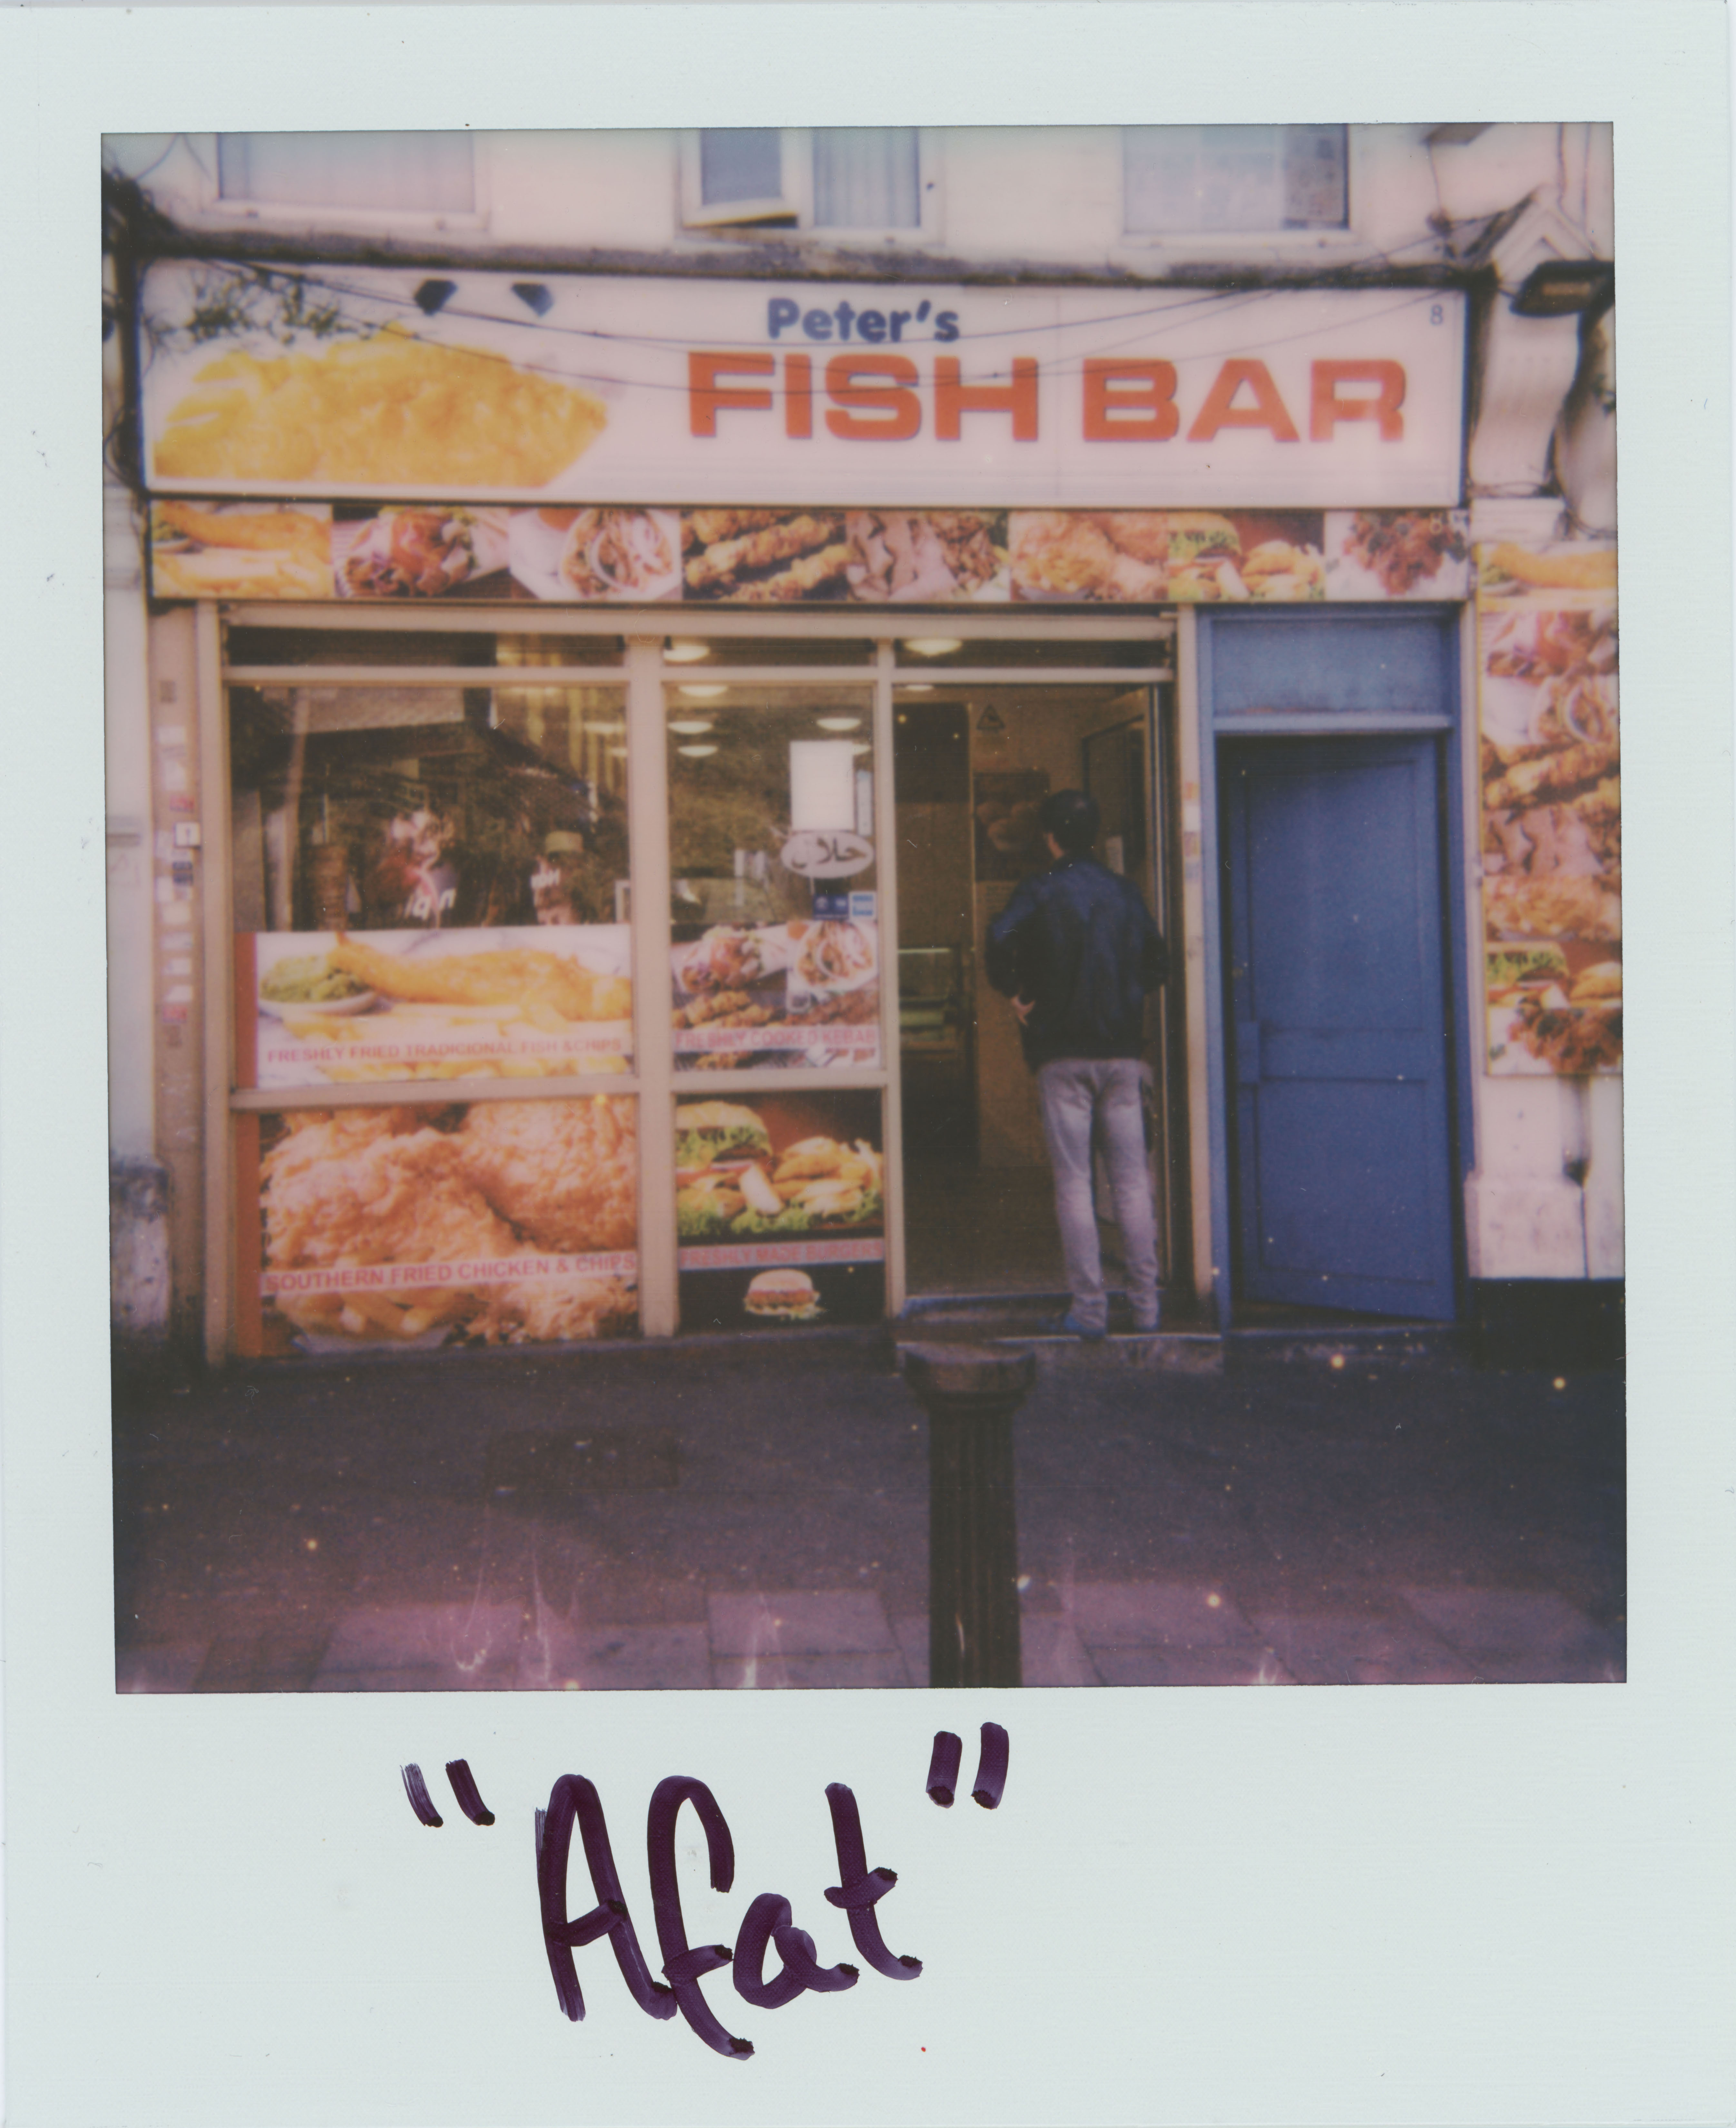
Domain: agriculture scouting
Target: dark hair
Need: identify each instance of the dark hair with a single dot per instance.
(1072, 818)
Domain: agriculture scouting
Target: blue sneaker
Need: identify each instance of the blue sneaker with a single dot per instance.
(1070, 1326)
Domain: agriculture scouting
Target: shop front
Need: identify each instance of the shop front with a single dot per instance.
(592, 757)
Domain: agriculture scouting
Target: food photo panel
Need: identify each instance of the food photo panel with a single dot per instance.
(780, 1214)
(409, 1227)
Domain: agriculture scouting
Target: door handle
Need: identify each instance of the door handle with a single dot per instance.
(1247, 1052)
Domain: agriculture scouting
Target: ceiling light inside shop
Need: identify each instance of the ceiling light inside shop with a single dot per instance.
(861, 745)
(709, 693)
(916, 687)
(680, 651)
(934, 646)
(691, 727)
(839, 723)
(696, 752)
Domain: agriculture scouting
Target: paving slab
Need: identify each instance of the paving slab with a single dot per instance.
(557, 1657)
(1051, 1652)
(821, 1622)
(1156, 1614)
(911, 1631)
(1168, 1667)
(410, 1677)
(1355, 1647)
(1522, 1636)
(169, 1666)
(838, 1671)
(467, 1643)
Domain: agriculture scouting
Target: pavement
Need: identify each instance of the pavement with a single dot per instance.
(1315, 1507)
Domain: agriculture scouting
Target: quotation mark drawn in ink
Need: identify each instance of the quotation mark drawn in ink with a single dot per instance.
(464, 1787)
(991, 1767)
(942, 1783)
(470, 1802)
(420, 1801)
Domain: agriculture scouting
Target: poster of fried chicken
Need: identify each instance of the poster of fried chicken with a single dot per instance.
(406, 1227)
(354, 1008)
(1550, 767)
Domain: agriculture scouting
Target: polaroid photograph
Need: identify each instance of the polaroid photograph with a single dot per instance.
(859, 1011)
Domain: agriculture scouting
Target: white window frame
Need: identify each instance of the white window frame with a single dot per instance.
(1138, 246)
(794, 201)
(210, 208)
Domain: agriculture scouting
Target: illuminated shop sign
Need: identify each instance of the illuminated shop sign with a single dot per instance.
(331, 381)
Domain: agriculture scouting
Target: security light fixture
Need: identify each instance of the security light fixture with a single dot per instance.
(934, 646)
(838, 724)
(709, 693)
(683, 650)
(1564, 287)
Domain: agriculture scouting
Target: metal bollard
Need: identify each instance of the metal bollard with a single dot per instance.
(970, 1394)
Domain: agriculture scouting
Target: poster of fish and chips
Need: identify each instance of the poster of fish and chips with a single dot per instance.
(409, 1227)
(547, 1002)
(1550, 777)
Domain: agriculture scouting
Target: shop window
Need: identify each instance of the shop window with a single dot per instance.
(696, 655)
(847, 176)
(422, 173)
(1184, 180)
(773, 861)
(429, 881)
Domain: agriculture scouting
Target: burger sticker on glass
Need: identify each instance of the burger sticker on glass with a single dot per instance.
(783, 1296)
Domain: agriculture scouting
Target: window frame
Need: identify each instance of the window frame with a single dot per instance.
(795, 205)
(210, 207)
(1340, 237)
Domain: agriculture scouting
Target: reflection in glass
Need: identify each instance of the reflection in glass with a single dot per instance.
(427, 807)
(773, 902)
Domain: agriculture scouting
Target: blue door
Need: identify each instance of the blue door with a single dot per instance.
(1338, 1074)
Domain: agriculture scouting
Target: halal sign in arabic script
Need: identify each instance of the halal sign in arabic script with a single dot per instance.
(831, 853)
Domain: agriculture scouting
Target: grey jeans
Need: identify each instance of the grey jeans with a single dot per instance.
(1077, 1094)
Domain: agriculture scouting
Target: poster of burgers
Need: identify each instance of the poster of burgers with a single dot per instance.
(1550, 767)
(779, 1214)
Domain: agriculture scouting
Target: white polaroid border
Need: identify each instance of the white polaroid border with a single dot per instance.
(1412, 1905)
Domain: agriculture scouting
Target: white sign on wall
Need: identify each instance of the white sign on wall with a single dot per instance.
(336, 381)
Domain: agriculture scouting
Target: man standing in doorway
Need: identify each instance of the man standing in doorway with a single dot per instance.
(1077, 953)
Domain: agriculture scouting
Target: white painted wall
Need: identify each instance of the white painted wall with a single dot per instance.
(1050, 194)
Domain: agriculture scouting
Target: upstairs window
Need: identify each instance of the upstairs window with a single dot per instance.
(1190, 180)
(426, 173)
(864, 177)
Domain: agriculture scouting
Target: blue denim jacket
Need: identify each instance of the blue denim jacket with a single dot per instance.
(1081, 943)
